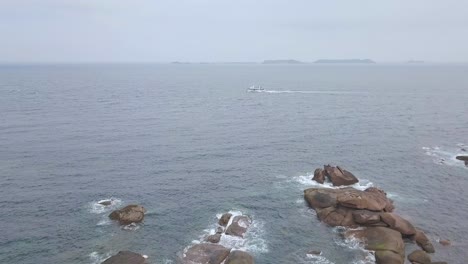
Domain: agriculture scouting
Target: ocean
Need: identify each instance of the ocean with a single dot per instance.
(188, 143)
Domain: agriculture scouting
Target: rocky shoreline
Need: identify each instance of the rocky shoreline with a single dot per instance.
(367, 215)
(380, 229)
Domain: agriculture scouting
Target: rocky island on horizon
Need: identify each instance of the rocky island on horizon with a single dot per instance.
(369, 61)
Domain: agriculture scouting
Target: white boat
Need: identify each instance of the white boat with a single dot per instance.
(255, 88)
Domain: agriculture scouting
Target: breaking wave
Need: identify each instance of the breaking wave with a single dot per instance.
(307, 180)
(252, 241)
(350, 242)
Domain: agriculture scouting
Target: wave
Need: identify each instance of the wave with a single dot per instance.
(307, 180)
(307, 92)
(97, 258)
(252, 241)
(96, 207)
(447, 156)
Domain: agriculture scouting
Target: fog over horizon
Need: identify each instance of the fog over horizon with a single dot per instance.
(80, 31)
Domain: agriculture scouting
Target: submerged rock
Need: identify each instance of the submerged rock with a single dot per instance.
(445, 242)
(239, 226)
(239, 257)
(205, 254)
(125, 257)
(129, 214)
(419, 257)
(105, 202)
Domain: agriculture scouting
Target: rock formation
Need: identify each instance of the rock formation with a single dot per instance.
(383, 231)
(336, 175)
(129, 214)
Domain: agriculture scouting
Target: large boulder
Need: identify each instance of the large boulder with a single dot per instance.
(239, 257)
(205, 254)
(339, 177)
(320, 198)
(319, 176)
(396, 222)
(239, 226)
(387, 243)
(224, 220)
(213, 238)
(419, 257)
(366, 217)
(336, 216)
(129, 214)
(421, 239)
(125, 257)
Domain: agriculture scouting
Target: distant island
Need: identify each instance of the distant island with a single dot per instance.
(282, 62)
(346, 61)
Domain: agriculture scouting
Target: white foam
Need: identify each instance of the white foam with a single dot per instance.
(97, 258)
(252, 241)
(96, 208)
(131, 227)
(447, 156)
(354, 244)
(307, 180)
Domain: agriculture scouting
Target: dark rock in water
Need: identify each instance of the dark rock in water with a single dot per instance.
(213, 238)
(464, 158)
(129, 214)
(366, 217)
(398, 223)
(319, 176)
(239, 257)
(219, 230)
(314, 252)
(422, 241)
(445, 242)
(339, 177)
(387, 244)
(419, 257)
(125, 257)
(105, 202)
(439, 262)
(205, 254)
(224, 220)
(238, 226)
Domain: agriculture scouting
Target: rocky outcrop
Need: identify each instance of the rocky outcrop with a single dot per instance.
(381, 230)
(239, 257)
(105, 202)
(206, 253)
(214, 253)
(239, 226)
(319, 176)
(419, 257)
(336, 175)
(224, 220)
(129, 214)
(125, 257)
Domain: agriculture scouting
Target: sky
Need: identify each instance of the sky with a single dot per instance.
(237, 30)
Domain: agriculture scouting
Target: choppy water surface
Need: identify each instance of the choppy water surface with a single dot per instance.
(188, 142)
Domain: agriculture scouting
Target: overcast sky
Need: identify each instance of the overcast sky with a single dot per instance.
(236, 30)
